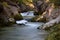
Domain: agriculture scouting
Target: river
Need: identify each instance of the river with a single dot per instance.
(23, 32)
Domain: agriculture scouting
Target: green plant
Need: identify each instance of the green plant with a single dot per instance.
(54, 32)
(56, 2)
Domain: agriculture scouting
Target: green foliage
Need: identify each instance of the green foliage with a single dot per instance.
(54, 33)
(20, 1)
(56, 2)
(54, 36)
(5, 4)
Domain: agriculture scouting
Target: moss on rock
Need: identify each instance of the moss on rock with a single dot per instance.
(18, 17)
(54, 33)
(56, 2)
(54, 36)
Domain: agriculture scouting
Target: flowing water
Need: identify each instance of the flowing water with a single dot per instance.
(23, 32)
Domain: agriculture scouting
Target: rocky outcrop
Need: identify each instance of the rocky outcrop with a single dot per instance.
(10, 9)
(9, 12)
(52, 16)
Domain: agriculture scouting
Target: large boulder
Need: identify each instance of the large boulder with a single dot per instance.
(9, 13)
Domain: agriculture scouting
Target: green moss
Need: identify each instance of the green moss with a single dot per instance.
(54, 36)
(18, 17)
(5, 4)
(56, 2)
(20, 1)
(54, 32)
